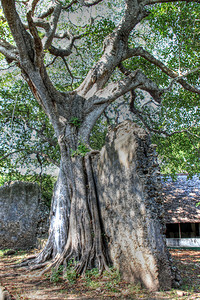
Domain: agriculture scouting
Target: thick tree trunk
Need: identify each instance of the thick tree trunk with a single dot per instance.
(59, 219)
(59, 224)
(84, 242)
(75, 228)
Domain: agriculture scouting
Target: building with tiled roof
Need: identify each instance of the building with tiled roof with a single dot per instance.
(182, 212)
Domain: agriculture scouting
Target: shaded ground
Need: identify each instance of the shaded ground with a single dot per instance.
(25, 286)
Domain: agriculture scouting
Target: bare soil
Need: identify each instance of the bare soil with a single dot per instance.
(25, 285)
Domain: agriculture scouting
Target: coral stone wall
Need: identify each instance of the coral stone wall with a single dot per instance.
(22, 217)
(129, 190)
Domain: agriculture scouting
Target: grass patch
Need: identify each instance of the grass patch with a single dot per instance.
(108, 281)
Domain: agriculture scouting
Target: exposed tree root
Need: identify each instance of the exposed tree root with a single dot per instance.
(36, 260)
(39, 266)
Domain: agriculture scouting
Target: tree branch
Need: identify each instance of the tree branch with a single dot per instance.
(9, 67)
(32, 5)
(41, 23)
(43, 137)
(52, 62)
(38, 48)
(22, 38)
(61, 52)
(150, 2)
(11, 153)
(49, 159)
(64, 35)
(8, 50)
(7, 45)
(114, 90)
(114, 49)
(69, 71)
(180, 77)
(89, 4)
(69, 5)
(72, 38)
(140, 115)
(149, 57)
(65, 52)
(47, 40)
(146, 84)
(47, 13)
(50, 28)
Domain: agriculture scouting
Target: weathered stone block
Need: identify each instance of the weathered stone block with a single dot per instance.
(21, 215)
(129, 197)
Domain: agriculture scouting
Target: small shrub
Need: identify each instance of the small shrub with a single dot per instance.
(75, 121)
(82, 150)
(70, 273)
(56, 274)
(113, 275)
(92, 273)
(90, 278)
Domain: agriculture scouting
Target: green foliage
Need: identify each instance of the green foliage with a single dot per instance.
(98, 134)
(110, 279)
(4, 29)
(178, 21)
(101, 29)
(179, 153)
(2, 252)
(113, 274)
(92, 278)
(75, 121)
(173, 30)
(92, 273)
(70, 273)
(25, 152)
(82, 149)
(114, 278)
(56, 274)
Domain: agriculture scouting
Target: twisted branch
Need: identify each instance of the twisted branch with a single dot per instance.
(149, 57)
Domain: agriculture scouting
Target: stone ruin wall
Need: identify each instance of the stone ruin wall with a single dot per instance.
(23, 216)
(128, 184)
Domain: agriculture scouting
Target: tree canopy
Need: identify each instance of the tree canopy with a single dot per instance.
(170, 32)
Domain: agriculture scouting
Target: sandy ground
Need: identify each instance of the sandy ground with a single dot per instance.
(27, 286)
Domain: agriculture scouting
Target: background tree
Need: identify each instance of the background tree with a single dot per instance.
(42, 39)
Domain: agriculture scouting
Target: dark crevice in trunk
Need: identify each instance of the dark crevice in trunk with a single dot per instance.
(103, 234)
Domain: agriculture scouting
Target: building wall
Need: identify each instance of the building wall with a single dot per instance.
(183, 242)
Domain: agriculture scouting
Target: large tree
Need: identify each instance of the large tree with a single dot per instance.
(41, 32)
